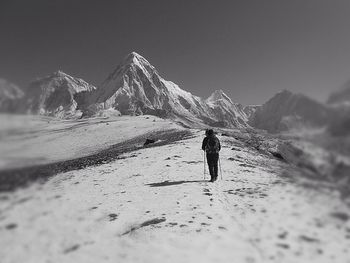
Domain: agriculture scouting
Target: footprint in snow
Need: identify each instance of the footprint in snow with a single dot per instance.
(112, 217)
(283, 235)
(191, 162)
(71, 249)
(11, 226)
(247, 165)
(282, 245)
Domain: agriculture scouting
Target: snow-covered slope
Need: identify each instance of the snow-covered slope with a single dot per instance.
(226, 111)
(58, 94)
(135, 87)
(10, 96)
(287, 110)
(153, 206)
(250, 110)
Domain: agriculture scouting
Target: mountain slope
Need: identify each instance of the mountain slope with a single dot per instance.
(226, 111)
(152, 205)
(59, 95)
(249, 110)
(10, 95)
(287, 110)
(135, 87)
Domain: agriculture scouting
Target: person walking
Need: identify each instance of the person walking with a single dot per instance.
(211, 146)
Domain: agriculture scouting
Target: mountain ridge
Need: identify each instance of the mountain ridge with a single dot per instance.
(135, 87)
(57, 94)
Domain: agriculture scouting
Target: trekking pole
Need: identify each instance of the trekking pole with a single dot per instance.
(220, 167)
(204, 164)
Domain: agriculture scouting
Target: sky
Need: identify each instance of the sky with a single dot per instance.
(250, 49)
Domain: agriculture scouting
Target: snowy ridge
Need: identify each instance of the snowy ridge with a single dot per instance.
(227, 111)
(249, 110)
(59, 95)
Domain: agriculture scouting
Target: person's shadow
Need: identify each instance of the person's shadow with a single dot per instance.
(168, 183)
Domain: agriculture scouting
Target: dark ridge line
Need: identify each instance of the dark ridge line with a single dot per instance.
(13, 179)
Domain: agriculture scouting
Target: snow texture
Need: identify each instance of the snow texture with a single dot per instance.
(27, 140)
(153, 205)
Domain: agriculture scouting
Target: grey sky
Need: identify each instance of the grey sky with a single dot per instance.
(250, 49)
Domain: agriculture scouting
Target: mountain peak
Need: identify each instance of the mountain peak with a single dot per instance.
(56, 74)
(218, 95)
(131, 62)
(135, 54)
(135, 58)
(284, 92)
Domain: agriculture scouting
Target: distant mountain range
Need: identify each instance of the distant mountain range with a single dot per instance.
(58, 95)
(135, 87)
(287, 110)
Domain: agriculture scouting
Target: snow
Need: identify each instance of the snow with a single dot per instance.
(32, 140)
(58, 94)
(152, 205)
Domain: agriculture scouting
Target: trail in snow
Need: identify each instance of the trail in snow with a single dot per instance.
(153, 205)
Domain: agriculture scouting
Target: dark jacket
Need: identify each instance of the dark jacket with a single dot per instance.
(205, 141)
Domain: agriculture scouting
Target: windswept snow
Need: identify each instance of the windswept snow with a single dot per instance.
(32, 140)
(152, 205)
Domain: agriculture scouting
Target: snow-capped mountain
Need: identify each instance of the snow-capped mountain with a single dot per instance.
(287, 110)
(58, 94)
(226, 111)
(10, 95)
(135, 87)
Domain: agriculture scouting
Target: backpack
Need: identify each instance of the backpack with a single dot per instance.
(212, 145)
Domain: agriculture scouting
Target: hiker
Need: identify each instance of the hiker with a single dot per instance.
(211, 145)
